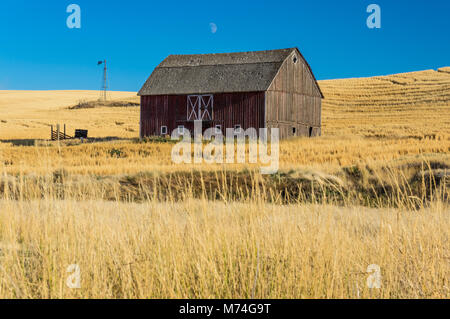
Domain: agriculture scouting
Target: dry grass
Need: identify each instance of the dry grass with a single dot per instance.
(373, 190)
(327, 154)
(199, 249)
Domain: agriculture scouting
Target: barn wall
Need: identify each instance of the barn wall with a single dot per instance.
(293, 101)
(230, 109)
(245, 109)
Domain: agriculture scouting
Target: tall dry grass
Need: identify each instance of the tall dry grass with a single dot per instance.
(238, 244)
(203, 249)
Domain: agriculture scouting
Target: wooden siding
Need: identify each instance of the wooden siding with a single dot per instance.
(293, 101)
(230, 109)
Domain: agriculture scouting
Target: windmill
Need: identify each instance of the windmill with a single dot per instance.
(105, 80)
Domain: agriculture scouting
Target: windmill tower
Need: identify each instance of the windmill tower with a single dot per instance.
(103, 95)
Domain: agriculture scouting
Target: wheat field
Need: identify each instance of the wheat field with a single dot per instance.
(29, 114)
(373, 190)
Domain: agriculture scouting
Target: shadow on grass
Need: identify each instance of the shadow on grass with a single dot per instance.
(42, 142)
(21, 142)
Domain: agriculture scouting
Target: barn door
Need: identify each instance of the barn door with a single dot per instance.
(193, 105)
(206, 107)
(200, 107)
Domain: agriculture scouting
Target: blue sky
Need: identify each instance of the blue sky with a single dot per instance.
(39, 52)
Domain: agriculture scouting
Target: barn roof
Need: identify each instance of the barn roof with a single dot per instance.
(216, 73)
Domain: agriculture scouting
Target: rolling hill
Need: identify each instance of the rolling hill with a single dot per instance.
(409, 104)
(29, 114)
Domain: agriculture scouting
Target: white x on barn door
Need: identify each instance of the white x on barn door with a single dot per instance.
(200, 107)
(193, 104)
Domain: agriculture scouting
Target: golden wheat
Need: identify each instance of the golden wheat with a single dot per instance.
(29, 114)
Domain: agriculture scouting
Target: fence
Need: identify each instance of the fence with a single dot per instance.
(57, 135)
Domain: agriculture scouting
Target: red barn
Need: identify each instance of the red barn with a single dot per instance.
(232, 90)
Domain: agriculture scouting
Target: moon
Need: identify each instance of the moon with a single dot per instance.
(213, 27)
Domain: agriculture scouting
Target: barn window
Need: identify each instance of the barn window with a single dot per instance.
(294, 59)
(310, 132)
(237, 129)
(163, 130)
(181, 129)
(294, 130)
(218, 129)
(200, 107)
